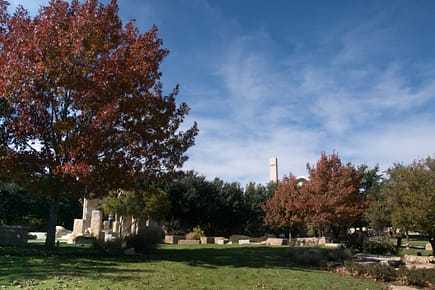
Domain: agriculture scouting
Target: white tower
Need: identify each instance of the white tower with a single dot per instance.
(273, 169)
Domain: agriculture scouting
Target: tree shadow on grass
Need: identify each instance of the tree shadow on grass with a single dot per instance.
(247, 256)
(64, 264)
(71, 264)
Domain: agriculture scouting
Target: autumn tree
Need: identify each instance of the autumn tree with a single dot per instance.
(408, 197)
(82, 104)
(334, 188)
(328, 201)
(283, 209)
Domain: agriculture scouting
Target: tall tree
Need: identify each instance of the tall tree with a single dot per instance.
(82, 102)
(329, 200)
(333, 188)
(227, 219)
(254, 196)
(283, 209)
(370, 184)
(409, 195)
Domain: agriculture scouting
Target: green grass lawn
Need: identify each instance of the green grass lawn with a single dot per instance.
(169, 267)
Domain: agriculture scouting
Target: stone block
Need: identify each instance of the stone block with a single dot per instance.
(334, 245)
(96, 223)
(82, 240)
(410, 259)
(276, 242)
(217, 239)
(61, 231)
(244, 242)
(172, 239)
(115, 227)
(222, 241)
(188, 242)
(79, 227)
(207, 240)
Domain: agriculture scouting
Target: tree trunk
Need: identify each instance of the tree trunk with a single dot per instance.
(52, 221)
(399, 242)
(432, 242)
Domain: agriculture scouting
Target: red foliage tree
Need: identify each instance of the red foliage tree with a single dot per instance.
(81, 101)
(280, 208)
(329, 199)
(334, 190)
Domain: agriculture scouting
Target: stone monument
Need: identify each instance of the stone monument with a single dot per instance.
(273, 169)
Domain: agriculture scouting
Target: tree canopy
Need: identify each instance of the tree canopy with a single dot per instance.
(407, 198)
(329, 200)
(81, 101)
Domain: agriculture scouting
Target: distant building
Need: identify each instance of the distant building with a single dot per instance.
(301, 180)
(273, 169)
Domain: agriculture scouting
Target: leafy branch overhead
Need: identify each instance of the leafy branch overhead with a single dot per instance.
(81, 100)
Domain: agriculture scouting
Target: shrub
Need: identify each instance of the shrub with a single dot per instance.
(377, 271)
(196, 234)
(110, 247)
(145, 240)
(381, 272)
(317, 257)
(379, 247)
(418, 277)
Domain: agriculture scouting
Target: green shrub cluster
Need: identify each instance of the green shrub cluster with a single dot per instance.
(195, 234)
(379, 247)
(418, 277)
(376, 246)
(146, 240)
(413, 277)
(317, 257)
(112, 247)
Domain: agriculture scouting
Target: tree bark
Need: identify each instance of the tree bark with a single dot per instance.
(52, 221)
(432, 242)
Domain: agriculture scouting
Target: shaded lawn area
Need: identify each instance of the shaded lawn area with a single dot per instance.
(169, 267)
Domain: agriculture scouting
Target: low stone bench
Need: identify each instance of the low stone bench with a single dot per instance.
(222, 242)
(217, 239)
(276, 242)
(83, 240)
(207, 240)
(312, 241)
(189, 242)
(172, 239)
(334, 245)
(244, 242)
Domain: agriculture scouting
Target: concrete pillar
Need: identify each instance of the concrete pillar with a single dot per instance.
(273, 169)
(96, 223)
(78, 227)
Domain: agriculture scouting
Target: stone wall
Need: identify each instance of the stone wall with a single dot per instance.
(13, 235)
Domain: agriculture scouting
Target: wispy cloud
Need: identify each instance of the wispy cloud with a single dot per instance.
(361, 85)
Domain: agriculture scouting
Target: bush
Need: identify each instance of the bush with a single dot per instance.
(318, 257)
(110, 247)
(414, 277)
(379, 247)
(377, 271)
(196, 234)
(146, 240)
(418, 277)
(381, 272)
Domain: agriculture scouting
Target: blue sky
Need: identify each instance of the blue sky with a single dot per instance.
(293, 79)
